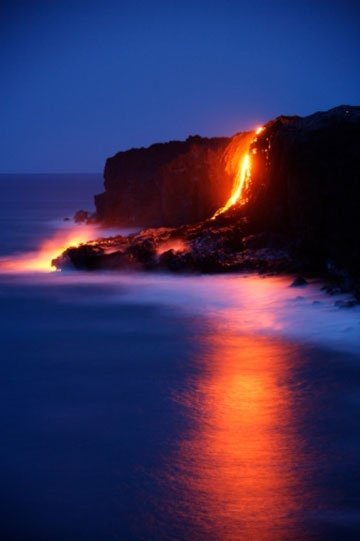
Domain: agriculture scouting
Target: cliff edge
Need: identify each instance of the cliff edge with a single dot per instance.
(168, 184)
(299, 211)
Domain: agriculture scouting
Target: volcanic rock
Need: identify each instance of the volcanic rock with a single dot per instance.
(81, 216)
(306, 186)
(301, 214)
(306, 180)
(173, 183)
(299, 281)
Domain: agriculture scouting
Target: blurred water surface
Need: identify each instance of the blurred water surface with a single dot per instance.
(159, 407)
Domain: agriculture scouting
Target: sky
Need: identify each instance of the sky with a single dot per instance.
(81, 80)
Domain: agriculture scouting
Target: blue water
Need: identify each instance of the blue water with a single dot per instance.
(159, 407)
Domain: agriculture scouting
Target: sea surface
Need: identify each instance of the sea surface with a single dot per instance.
(167, 407)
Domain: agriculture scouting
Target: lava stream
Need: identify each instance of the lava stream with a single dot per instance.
(40, 260)
(241, 180)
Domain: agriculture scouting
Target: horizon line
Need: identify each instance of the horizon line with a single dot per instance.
(51, 173)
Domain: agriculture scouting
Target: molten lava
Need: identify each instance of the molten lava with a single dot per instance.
(177, 245)
(41, 259)
(242, 175)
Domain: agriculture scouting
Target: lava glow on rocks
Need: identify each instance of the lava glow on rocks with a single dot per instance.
(177, 245)
(238, 163)
(241, 180)
(41, 259)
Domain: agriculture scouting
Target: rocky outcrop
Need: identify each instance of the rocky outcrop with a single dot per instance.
(302, 213)
(207, 247)
(306, 185)
(166, 184)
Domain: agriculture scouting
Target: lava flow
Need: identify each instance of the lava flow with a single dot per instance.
(41, 259)
(242, 175)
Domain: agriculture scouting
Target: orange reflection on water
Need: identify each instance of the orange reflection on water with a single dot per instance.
(239, 465)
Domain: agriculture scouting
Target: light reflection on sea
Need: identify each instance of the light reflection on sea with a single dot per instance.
(247, 302)
(243, 425)
(162, 407)
(239, 471)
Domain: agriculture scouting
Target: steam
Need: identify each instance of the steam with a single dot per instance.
(40, 259)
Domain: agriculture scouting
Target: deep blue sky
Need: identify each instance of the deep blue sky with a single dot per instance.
(80, 80)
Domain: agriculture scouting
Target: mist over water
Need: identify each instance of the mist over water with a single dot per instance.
(33, 207)
(161, 407)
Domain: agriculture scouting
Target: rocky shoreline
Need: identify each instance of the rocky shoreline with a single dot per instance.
(301, 212)
(207, 248)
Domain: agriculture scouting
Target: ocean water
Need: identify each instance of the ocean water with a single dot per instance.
(167, 407)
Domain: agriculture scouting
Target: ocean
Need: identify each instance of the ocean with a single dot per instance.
(140, 406)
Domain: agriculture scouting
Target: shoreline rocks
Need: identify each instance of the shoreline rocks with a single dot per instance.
(301, 214)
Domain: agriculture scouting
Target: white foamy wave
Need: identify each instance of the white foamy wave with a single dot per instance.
(246, 304)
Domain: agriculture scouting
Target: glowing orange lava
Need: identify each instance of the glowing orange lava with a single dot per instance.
(242, 178)
(177, 245)
(40, 260)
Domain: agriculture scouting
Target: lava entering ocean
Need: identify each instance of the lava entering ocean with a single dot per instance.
(240, 160)
(41, 259)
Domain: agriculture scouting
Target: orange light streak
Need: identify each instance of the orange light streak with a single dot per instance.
(40, 259)
(238, 460)
(241, 180)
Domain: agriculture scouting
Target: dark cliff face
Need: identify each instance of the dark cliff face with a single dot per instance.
(301, 215)
(306, 182)
(166, 184)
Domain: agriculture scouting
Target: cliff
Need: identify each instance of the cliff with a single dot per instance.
(166, 184)
(306, 183)
(301, 214)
